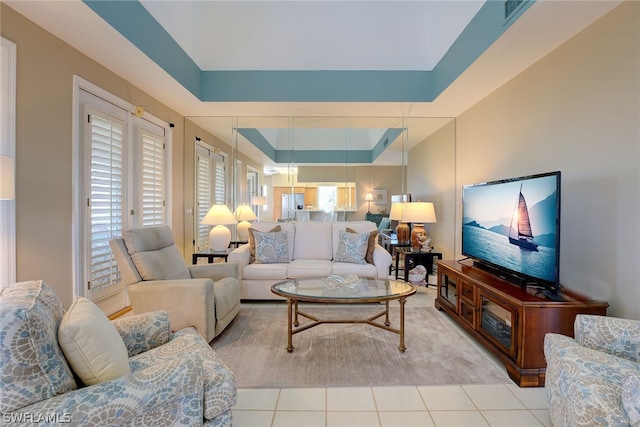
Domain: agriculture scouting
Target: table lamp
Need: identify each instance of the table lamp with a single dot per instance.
(219, 236)
(419, 213)
(259, 201)
(244, 214)
(397, 214)
(368, 197)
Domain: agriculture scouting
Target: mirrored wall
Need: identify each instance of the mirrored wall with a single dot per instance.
(309, 168)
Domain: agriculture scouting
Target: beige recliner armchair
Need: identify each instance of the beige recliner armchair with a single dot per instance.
(206, 296)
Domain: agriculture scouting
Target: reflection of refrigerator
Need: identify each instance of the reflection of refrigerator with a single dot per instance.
(291, 203)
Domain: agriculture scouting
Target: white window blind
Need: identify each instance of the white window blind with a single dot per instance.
(106, 196)
(220, 179)
(210, 188)
(152, 179)
(203, 197)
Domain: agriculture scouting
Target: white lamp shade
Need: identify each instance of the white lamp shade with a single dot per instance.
(368, 197)
(259, 201)
(219, 215)
(7, 178)
(245, 213)
(419, 212)
(397, 212)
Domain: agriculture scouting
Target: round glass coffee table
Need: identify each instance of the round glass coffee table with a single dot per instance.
(351, 290)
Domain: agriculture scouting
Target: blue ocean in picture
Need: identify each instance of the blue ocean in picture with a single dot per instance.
(496, 249)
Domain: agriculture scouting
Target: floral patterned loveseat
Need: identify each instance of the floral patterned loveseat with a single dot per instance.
(594, 379)
(170, 378)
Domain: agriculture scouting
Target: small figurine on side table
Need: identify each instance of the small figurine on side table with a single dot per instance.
(425, 243)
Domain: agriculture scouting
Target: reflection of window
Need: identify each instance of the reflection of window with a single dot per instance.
(210, 188)
(327, 198)
(7, 147)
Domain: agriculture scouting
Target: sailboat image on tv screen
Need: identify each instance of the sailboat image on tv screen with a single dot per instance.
(521, 234)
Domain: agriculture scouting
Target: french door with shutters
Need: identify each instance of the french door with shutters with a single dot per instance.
(125, 175)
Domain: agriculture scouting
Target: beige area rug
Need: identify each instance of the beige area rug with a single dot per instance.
(254, 348)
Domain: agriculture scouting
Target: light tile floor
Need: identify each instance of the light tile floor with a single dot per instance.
(492, 405)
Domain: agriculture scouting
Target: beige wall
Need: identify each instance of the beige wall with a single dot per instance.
(44, 180)
(576, 110)
(431, 178)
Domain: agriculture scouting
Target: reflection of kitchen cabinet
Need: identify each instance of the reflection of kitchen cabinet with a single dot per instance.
(346, 196)
(311, 196)
(509, 320)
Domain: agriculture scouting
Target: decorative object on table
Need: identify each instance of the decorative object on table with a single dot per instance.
(417, 274)
(397, 214)
(425, 243)
(244, 214)
(379, 197)
(368, 197)
(337, 280)
(220, 235)
(419, 213)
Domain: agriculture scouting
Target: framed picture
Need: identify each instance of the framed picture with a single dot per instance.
(379, 197)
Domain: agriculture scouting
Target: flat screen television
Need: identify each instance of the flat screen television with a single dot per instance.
(511, 227)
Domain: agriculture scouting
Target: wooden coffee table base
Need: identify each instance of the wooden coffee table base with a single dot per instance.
(293, 312)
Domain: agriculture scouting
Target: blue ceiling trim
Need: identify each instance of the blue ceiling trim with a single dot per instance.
(133, 21)
(483, 30)
(256, 138)
(317, 156)
(385, 140)
(317, 86)
(323, 156)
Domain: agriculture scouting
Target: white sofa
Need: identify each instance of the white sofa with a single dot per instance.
(311, 250)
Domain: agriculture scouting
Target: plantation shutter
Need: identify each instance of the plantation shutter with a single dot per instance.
(152, 179)
(106, 196)
(203, 197)
(210, 189)
(220, 181)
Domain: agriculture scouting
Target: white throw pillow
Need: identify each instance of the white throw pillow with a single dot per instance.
(91, 344)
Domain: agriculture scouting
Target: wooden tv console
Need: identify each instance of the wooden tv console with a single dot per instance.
(509, 320)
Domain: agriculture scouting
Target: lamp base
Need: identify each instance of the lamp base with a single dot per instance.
(402, 231)
(243, 231)
(219, 238)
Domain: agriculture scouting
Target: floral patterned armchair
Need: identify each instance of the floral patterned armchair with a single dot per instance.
(174, 379)
(594, 379)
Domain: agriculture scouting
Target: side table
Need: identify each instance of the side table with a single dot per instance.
(390, 243)
(412, 258)
(210, 255)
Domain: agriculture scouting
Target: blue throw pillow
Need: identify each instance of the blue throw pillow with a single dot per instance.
(385, 224)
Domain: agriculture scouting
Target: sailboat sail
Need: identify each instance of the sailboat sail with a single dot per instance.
(522, 235)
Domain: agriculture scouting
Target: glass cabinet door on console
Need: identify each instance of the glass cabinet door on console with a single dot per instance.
(449, 289)
(498, 322)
